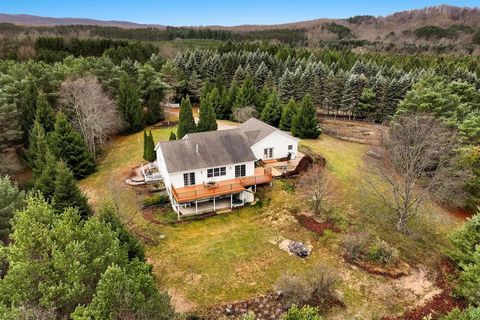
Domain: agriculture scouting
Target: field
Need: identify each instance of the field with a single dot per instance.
(235, 256)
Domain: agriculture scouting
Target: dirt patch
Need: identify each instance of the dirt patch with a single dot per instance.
(180, 303)
(351, 130)
(313, 225)
(149, 215)
(435, 297)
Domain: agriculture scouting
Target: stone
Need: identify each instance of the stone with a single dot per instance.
(299, 249)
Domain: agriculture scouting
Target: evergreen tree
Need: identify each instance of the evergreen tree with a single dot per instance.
(11, 199)
(172, 136)
(128, 102)
(45, 182)
(145, 144)
(152, 89)
(352, 94)
(10, 128)
(68, 145)
(288, 112)
(150, 153)
(272, 112)
(37, 142)
(186, 122)
(262, 98)
(246, 95)
(28, 106)
(207, 120)
(286, 86)
(260, 76)
(304, 123)
(67, 194)
(44, 113)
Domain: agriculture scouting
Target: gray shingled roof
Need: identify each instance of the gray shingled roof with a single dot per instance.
(255, 130)
(215, 148)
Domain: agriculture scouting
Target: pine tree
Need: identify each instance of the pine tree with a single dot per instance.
(45, 182)
(172, 136)
(288, 112)
(37, 142)
(207, 120)
(28, 106)
(304, 123)
(128, 102)
(11, 199)
(10, 128)
(151, 155)
(260, 76)
(286, 86)
(272, 112)
(262, 98)
(68, 145)
(67, 193)
(44, 113)
(145, 144)
(152, 89)
(186, 122)
(246, 95)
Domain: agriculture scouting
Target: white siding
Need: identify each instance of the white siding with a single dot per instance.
(279, 142)
(176, 178)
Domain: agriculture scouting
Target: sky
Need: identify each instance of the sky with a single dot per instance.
(215, 12)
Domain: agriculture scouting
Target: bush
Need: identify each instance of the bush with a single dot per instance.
(470, 313)
(355, 246)
(363, 247)
(316, 285)
(304, 313)
(382, 253)
(156, 200)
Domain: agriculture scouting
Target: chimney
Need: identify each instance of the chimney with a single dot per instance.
(196, 147)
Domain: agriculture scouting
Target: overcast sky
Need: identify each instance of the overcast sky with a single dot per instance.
(214, 12)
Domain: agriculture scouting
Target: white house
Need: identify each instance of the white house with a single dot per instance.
(216, 170)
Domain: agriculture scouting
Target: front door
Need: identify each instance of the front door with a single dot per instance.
(268, 153)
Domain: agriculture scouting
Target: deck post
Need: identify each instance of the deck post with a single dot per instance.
(231, 201)
(214, 204)
(196, 206)
(255, 186)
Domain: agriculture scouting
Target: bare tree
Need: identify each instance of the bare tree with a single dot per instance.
(244, 113)
(92, 111)
(418, 158)
(314, 186)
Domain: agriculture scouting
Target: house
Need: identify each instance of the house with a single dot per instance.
(216, 170)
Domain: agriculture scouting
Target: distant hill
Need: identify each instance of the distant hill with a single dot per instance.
(441, 28)
(31, 20)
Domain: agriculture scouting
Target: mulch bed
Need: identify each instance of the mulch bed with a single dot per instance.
(318, 227)
(394, 272)
(264, 307)
(439, 305)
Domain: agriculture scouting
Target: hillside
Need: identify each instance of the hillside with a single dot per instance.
(439, 29)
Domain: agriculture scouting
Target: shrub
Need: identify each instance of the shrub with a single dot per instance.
(382, 253)
(304, 313)
(156, 200)
(315, 285)
(363, 247)
(355, 246)
(470, 313)
(294, 290)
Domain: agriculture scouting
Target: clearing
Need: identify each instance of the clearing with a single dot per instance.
(236, 256)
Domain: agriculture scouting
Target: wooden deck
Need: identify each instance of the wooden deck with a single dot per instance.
(198, 192)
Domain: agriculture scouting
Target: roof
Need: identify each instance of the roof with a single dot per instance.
(215, 148)
(255, 130)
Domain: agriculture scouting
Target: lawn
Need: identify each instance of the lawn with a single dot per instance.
(235, 256)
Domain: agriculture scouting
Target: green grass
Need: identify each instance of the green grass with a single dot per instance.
(234, 256)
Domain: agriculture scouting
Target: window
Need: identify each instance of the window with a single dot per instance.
(290, 147)
(268, 153)
(240, 171)
(189, 179)
(217, 172)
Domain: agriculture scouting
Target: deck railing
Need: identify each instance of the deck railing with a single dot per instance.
(197, 192)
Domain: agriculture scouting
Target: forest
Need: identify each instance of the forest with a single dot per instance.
(60, 107)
